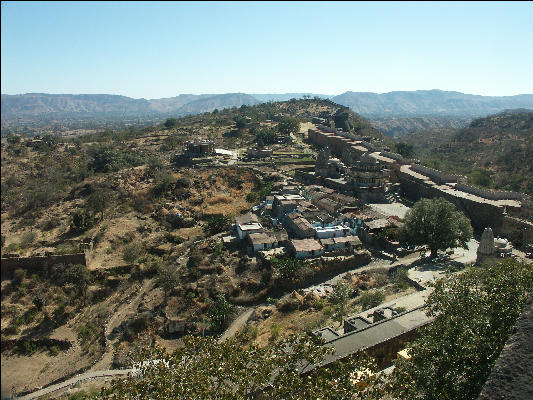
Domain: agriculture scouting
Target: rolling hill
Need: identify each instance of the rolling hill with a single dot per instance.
(429, 103)
(494, 151)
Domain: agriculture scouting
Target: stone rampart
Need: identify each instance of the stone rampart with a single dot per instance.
(518, 231)
(394, 156)
(481, 214)
(8, 265)
(436, 175)
(491, 194)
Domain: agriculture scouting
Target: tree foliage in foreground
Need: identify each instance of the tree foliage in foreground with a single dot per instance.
(438, 224)
(205, 369)
(474, 315)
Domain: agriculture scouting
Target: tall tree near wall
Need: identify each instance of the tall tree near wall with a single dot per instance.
(438, 224)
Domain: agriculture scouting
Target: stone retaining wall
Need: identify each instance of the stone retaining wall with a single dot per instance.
(8, 265)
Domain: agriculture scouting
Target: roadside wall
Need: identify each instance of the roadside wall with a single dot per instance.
(8, 265)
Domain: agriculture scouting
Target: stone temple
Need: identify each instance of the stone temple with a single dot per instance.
(490, 247)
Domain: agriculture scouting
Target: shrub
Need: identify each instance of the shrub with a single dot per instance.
(275, 330)
(371, 299)
(401, 279)
(252, 331)
(131, 252)
(39, 301)
(27, 238)
(18, 276)
(82, 220)
(319, 304)
(50, 223)
(53, 350)
(216, 224)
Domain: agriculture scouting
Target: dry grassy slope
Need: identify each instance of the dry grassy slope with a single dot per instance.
(500, 144)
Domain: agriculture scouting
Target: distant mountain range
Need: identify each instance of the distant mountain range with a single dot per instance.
(105, 105)
(429, 103)
(422, 104)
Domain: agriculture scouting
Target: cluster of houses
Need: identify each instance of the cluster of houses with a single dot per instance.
(309, 221)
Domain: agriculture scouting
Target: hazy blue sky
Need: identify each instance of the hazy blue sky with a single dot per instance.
(154, 50)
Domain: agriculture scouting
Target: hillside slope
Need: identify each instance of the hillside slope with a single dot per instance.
(398, 127)
(496, 151)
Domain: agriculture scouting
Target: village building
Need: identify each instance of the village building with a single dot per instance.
(247, 224)
(306, 248)
(298, 226)
(255, 152)
(199, 147)
(284, 204)
(332, 231)
(262, 241)
(345, 243)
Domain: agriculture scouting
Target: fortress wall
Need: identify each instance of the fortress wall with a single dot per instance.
(518, 231)
(318, 138)
(394, 156)
(8, 265)
(481, 215)
(337, 144)
(434, 174)
(491, 194)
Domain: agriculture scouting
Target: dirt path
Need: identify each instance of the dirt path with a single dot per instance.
(128, 307)
(237, 324)
(74, 381)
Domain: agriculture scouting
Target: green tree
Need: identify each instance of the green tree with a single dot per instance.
(206, 369)
(218, 312)
(131, 252)
(405, 149)
(240, 122)
(216, 224)
(288, 125)
(81, 221)
(99, 201)
(437, 224)
(371, 299)
(339, 297)
(287, 267)
(265, 136)
(167, 276)
(105, 159)
(474, 313)
(79, 276)
(480, 177)
(171, 123)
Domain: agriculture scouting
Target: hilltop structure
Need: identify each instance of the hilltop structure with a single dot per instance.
(509, 214)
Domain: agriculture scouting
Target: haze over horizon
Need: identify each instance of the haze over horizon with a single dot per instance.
(163, 49)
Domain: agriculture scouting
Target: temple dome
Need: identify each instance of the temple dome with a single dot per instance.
(368, 159)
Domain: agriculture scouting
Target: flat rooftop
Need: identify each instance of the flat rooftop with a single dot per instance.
(250, 226)
(391, 210)
(376, 333)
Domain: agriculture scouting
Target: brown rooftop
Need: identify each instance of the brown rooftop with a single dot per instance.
(247, 218)
(259, 238)
(306, 245)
